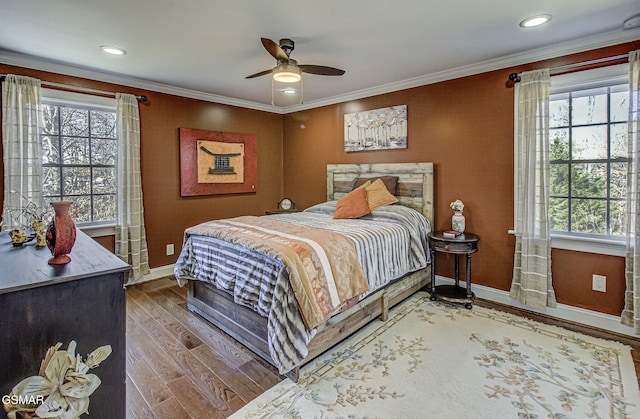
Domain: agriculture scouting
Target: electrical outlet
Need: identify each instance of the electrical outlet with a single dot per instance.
(170, 249)
(599, 283)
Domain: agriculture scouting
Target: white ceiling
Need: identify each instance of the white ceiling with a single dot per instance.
(205, 48)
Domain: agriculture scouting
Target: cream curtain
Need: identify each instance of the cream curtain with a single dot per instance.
(131, 242)
(631, 311)
(21, 123)
(531, 283)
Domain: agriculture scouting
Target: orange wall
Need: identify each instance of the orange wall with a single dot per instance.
(465, 127)
(167, 214)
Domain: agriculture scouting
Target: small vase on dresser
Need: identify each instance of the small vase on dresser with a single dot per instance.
(61, 233)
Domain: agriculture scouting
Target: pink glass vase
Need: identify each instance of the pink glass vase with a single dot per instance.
(61, 233)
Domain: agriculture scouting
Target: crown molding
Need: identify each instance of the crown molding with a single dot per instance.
(587, 43)
(567, 48)
(27, 61)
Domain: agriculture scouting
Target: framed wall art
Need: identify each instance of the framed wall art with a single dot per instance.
(378, 129)
(216, 162)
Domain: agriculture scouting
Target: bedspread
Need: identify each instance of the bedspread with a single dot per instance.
(323, 266)
(389, 243)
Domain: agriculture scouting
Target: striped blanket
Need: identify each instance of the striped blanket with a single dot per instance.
(389, 243)
(323, 267)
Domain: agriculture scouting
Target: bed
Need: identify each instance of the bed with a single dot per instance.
(265, 324)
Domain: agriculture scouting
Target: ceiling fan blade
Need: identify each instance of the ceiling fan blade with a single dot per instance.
(275, 50)
(321, 70)
(262, 73)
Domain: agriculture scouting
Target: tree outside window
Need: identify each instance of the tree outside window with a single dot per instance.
(79, 152)
(588, 160)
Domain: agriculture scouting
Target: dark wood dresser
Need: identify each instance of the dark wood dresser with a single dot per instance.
(41, 305)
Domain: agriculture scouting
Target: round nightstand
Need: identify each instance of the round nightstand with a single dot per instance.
(464, 244)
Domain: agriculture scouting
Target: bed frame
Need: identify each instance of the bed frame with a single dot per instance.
(415, 190)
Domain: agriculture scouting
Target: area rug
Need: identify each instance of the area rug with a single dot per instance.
(434, 360)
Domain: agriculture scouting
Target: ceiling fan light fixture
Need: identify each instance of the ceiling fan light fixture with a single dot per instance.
(535, 21)
(284, 94)
(285, 73)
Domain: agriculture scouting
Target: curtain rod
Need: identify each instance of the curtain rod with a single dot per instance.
(141, 98)
(514, 77)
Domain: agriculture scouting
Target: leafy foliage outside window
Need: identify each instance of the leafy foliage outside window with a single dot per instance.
(79, 152)
(588, 160)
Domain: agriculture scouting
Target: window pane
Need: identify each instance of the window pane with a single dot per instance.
(104, 180)
(588, 154)
(620, 106)
(559, 180)
(50, 122)
(103, 151)
(80, 208)
(618, 218)
(619, 143)
(79, 152)
(589, 109)
(559, 144)
(51, 180)
(75, 150)
(50, 151)
(618, 181)
(589, 180)
(559, 113)
(103, 124)
(589, 143)
(74, 121)
(559, 214)
(76, 181)
(47, 200)
(589, 216)
(104, 207)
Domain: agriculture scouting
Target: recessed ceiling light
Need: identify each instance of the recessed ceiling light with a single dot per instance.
(533, 21)
(632, 22)
(112, 50)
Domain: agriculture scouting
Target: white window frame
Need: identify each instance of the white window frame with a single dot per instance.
(60, 97)
(581, 80)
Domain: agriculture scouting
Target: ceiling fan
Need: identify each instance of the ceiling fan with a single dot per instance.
(287, 69)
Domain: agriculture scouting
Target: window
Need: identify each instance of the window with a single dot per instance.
(588, 112)
(588, 160)
(79, 155)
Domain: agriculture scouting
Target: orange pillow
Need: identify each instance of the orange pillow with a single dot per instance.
(352, 205)
(378, 195)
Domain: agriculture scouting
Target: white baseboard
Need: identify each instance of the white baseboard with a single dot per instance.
(562, 311)
(156, 273)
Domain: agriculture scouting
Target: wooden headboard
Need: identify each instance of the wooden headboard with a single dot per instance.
(415, 182)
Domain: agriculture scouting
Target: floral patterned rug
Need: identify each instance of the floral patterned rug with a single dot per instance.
(434, 360)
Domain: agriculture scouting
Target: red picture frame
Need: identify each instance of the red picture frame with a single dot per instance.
(191, 141)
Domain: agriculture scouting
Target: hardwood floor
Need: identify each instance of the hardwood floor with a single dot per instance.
(180, 366)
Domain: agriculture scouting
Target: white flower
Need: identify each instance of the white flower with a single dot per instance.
(65, 382)
(457, 205)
